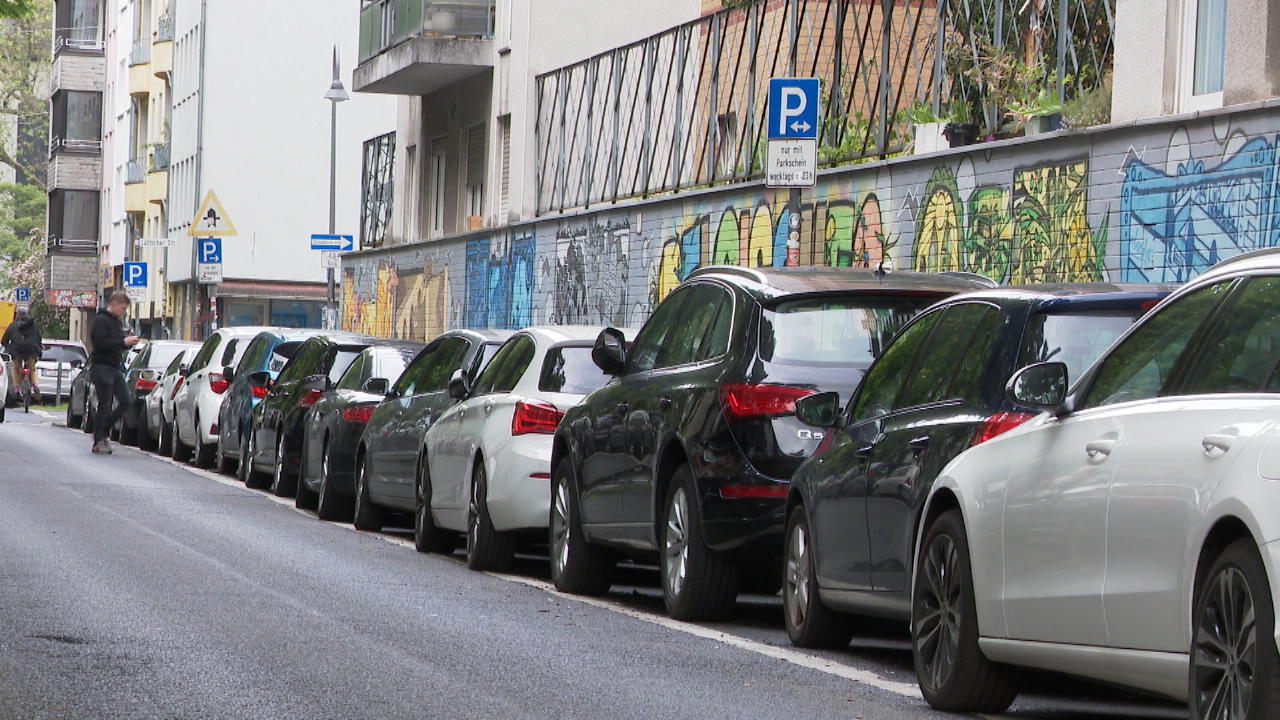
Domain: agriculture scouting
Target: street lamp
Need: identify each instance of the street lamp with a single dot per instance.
(337, 93)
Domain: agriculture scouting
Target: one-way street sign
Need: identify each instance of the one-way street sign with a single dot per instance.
(339, 243)
(793, 108)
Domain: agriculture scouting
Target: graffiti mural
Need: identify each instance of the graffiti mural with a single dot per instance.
(588, 275)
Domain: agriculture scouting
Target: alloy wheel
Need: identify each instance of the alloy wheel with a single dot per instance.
(277, 476)
(473, 512)
(939, 614)
(324, 476)
(676, 543)
(798, 580)
(560, 528)
(1225, 650)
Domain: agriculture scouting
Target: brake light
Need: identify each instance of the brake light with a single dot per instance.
(217, 383)
(771, 490)
(742, 401)
(1148, 304)
(358, 413)
(259, 391)
(144, 385)
(310, 398)
(535, 417)
(997, 425)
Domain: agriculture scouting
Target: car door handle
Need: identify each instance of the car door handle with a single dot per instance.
(919, 444)
(623, 407)
(1216, 444)
(1099, 449)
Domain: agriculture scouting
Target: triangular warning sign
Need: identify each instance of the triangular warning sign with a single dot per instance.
(211, 219)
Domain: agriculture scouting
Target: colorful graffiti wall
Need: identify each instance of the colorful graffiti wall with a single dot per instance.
(1159, 202)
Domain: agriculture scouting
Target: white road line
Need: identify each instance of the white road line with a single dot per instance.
(795, 657)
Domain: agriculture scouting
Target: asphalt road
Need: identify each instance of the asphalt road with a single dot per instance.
(131, 587)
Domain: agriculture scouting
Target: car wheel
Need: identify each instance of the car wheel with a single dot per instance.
(304, 498)
(181, 451)
(487, 548)
(576, 565)
(203, 452)
(252, 478)
(329, 504)
(166, 439)
(809, 623)
(1235, 671)
(128, 436)
(427, 537)
(697, 584)
(226, 463)
(367, 516)
(146, 440)
(953, 673)
(281, 480)
(2, 409)
(73, 420)
(87, 423)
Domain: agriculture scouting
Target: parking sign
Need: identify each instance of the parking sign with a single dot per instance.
(793, 108)
(135, 274)
(209, 250)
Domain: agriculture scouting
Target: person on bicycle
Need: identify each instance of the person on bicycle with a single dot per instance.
(110, 341)
(23, 343)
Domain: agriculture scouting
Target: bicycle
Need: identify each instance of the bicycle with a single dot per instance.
(27, 389)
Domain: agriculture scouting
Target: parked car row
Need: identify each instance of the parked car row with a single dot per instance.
(1025, 474)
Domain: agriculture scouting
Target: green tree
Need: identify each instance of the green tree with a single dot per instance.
(25, 56)
(22, 210)
(17, 8)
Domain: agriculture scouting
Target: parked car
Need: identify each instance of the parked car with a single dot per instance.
(159, 411)
(78, 399)
(195, 420)
(333, 426)
(390, 448)
(937, 389)
(1128, 533)
(59, 363)
(686, 454)
(487, 458)
(142, 377)
(275, 430)
(267, 352)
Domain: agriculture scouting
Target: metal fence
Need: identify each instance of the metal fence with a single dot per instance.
(686, 108)
(386, 23)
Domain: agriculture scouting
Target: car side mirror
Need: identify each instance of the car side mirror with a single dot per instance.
(820, 410)
(377, 386)
(459, 388)
(610, 351)
(1042, 386)
(260, 379)
(316, 382)
(229, 373)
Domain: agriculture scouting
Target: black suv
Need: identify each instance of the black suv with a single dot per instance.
(686, 453)
(939, 388)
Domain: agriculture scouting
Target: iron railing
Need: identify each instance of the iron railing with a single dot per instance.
(686, 108)
(69, 145)
(141, 53)
(135, 171)
(387, 23)
(70, 246)
(65, 41)
(159, 157)
(164, 28)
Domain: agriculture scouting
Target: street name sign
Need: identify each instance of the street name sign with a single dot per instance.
(791, 160)
(211, 219)
(334, 243)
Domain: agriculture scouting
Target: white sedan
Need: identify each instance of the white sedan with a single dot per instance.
(1129, 534)
(488, 464)
(196, 406)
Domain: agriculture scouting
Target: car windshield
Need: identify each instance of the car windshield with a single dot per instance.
(1076, 339)
(63, 354)
(570, 370)
(850, 331)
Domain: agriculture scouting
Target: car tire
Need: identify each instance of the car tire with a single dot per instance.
(203, 452)
(329, 504)
(127, 436)
(1234, 587)
(366, 515)
(86, 424)
(281, 480)
(181, 451)
(227, 464)
(73, 420)
(146, 440)
(577, 566)
(487, 548)
(427, 536)
(304, 498)
(953, 673)
(248, 474)
(697, 584)
(810, 623)
(165, 447)
(2, 409)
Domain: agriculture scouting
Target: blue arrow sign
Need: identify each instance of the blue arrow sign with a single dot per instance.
(209, 250)
(338, 243)
(793, 108)
(22, 295)
(135, 274)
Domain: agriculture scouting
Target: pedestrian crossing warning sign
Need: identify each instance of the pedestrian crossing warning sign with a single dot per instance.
(211, 219)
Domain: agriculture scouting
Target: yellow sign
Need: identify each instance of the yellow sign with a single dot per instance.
(211, 219)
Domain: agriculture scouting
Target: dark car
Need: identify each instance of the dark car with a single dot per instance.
(939, 388)
(78, 399)
(142, 377)
(686, 453)
(268, 351)
(334, 424)
(390, 452)
(274, 437)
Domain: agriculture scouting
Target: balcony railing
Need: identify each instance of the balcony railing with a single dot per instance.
(141, 53)
(159, 157)
(386, 23)
(135, 172)
(68, 41)
(69, 145)
(164, 28)
(70, 246)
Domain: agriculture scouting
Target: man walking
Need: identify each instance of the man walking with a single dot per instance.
(109, 344)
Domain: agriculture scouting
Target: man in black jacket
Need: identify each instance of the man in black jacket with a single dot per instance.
(110, 340)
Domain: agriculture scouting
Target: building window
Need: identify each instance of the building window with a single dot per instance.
(73, 219)
(1204, 40)
(78, 25)
(439, 166)
(475, 164)
(77, 122)
(376, 186)
(412, 196)
(726, 143)
(504, 183)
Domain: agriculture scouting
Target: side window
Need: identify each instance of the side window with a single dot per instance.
(1139, 367)
(1244, 351)
(206, 352)
(354, 377)
(142, 359)
(954, 357)
(407, 384)
(717, 341)
(506, 368)
(300, 366)
(882, 383)
(433, 375)
(174, 364)
(685, 339)
(648, 342)
(253, 356)
(229, 354)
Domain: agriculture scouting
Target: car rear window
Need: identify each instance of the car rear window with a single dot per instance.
(63, 353)
(570, 370)
(282, 354)
(162, 355)
(834, 331)
(342, 361)
(1076, 338)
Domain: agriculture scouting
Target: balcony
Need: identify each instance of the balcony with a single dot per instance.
(69, 146)
(159, 157)
(70, 246)
(164, 28)
(416, 47)
(78, 43)
(134, 172)
(141, 54)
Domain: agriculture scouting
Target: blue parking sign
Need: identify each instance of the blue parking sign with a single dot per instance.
(209, 250)
(793, 108)
(135, 274)
(22, 295)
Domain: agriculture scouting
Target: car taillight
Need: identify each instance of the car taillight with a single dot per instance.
(259, 391)
(998, 424)
(217, 383)
(144, 385)
(358, 413)
(310, 398)
(535, 417)
(176, 387)
(742, 401)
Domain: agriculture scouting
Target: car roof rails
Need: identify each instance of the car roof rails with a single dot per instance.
(748, 273)
(1245, 256)
(976, 277)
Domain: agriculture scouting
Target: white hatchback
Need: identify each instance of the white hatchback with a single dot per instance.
(1129, 534)
(489, 456)
(195, 416)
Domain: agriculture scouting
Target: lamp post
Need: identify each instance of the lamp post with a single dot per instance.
(337, 93)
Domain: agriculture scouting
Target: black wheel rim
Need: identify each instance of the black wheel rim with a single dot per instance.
(277, 479)
(420, 514)
(360, 489)
(473, 510)
(1225, 648)
(560, 528)
(324, 477)
(937, 615)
